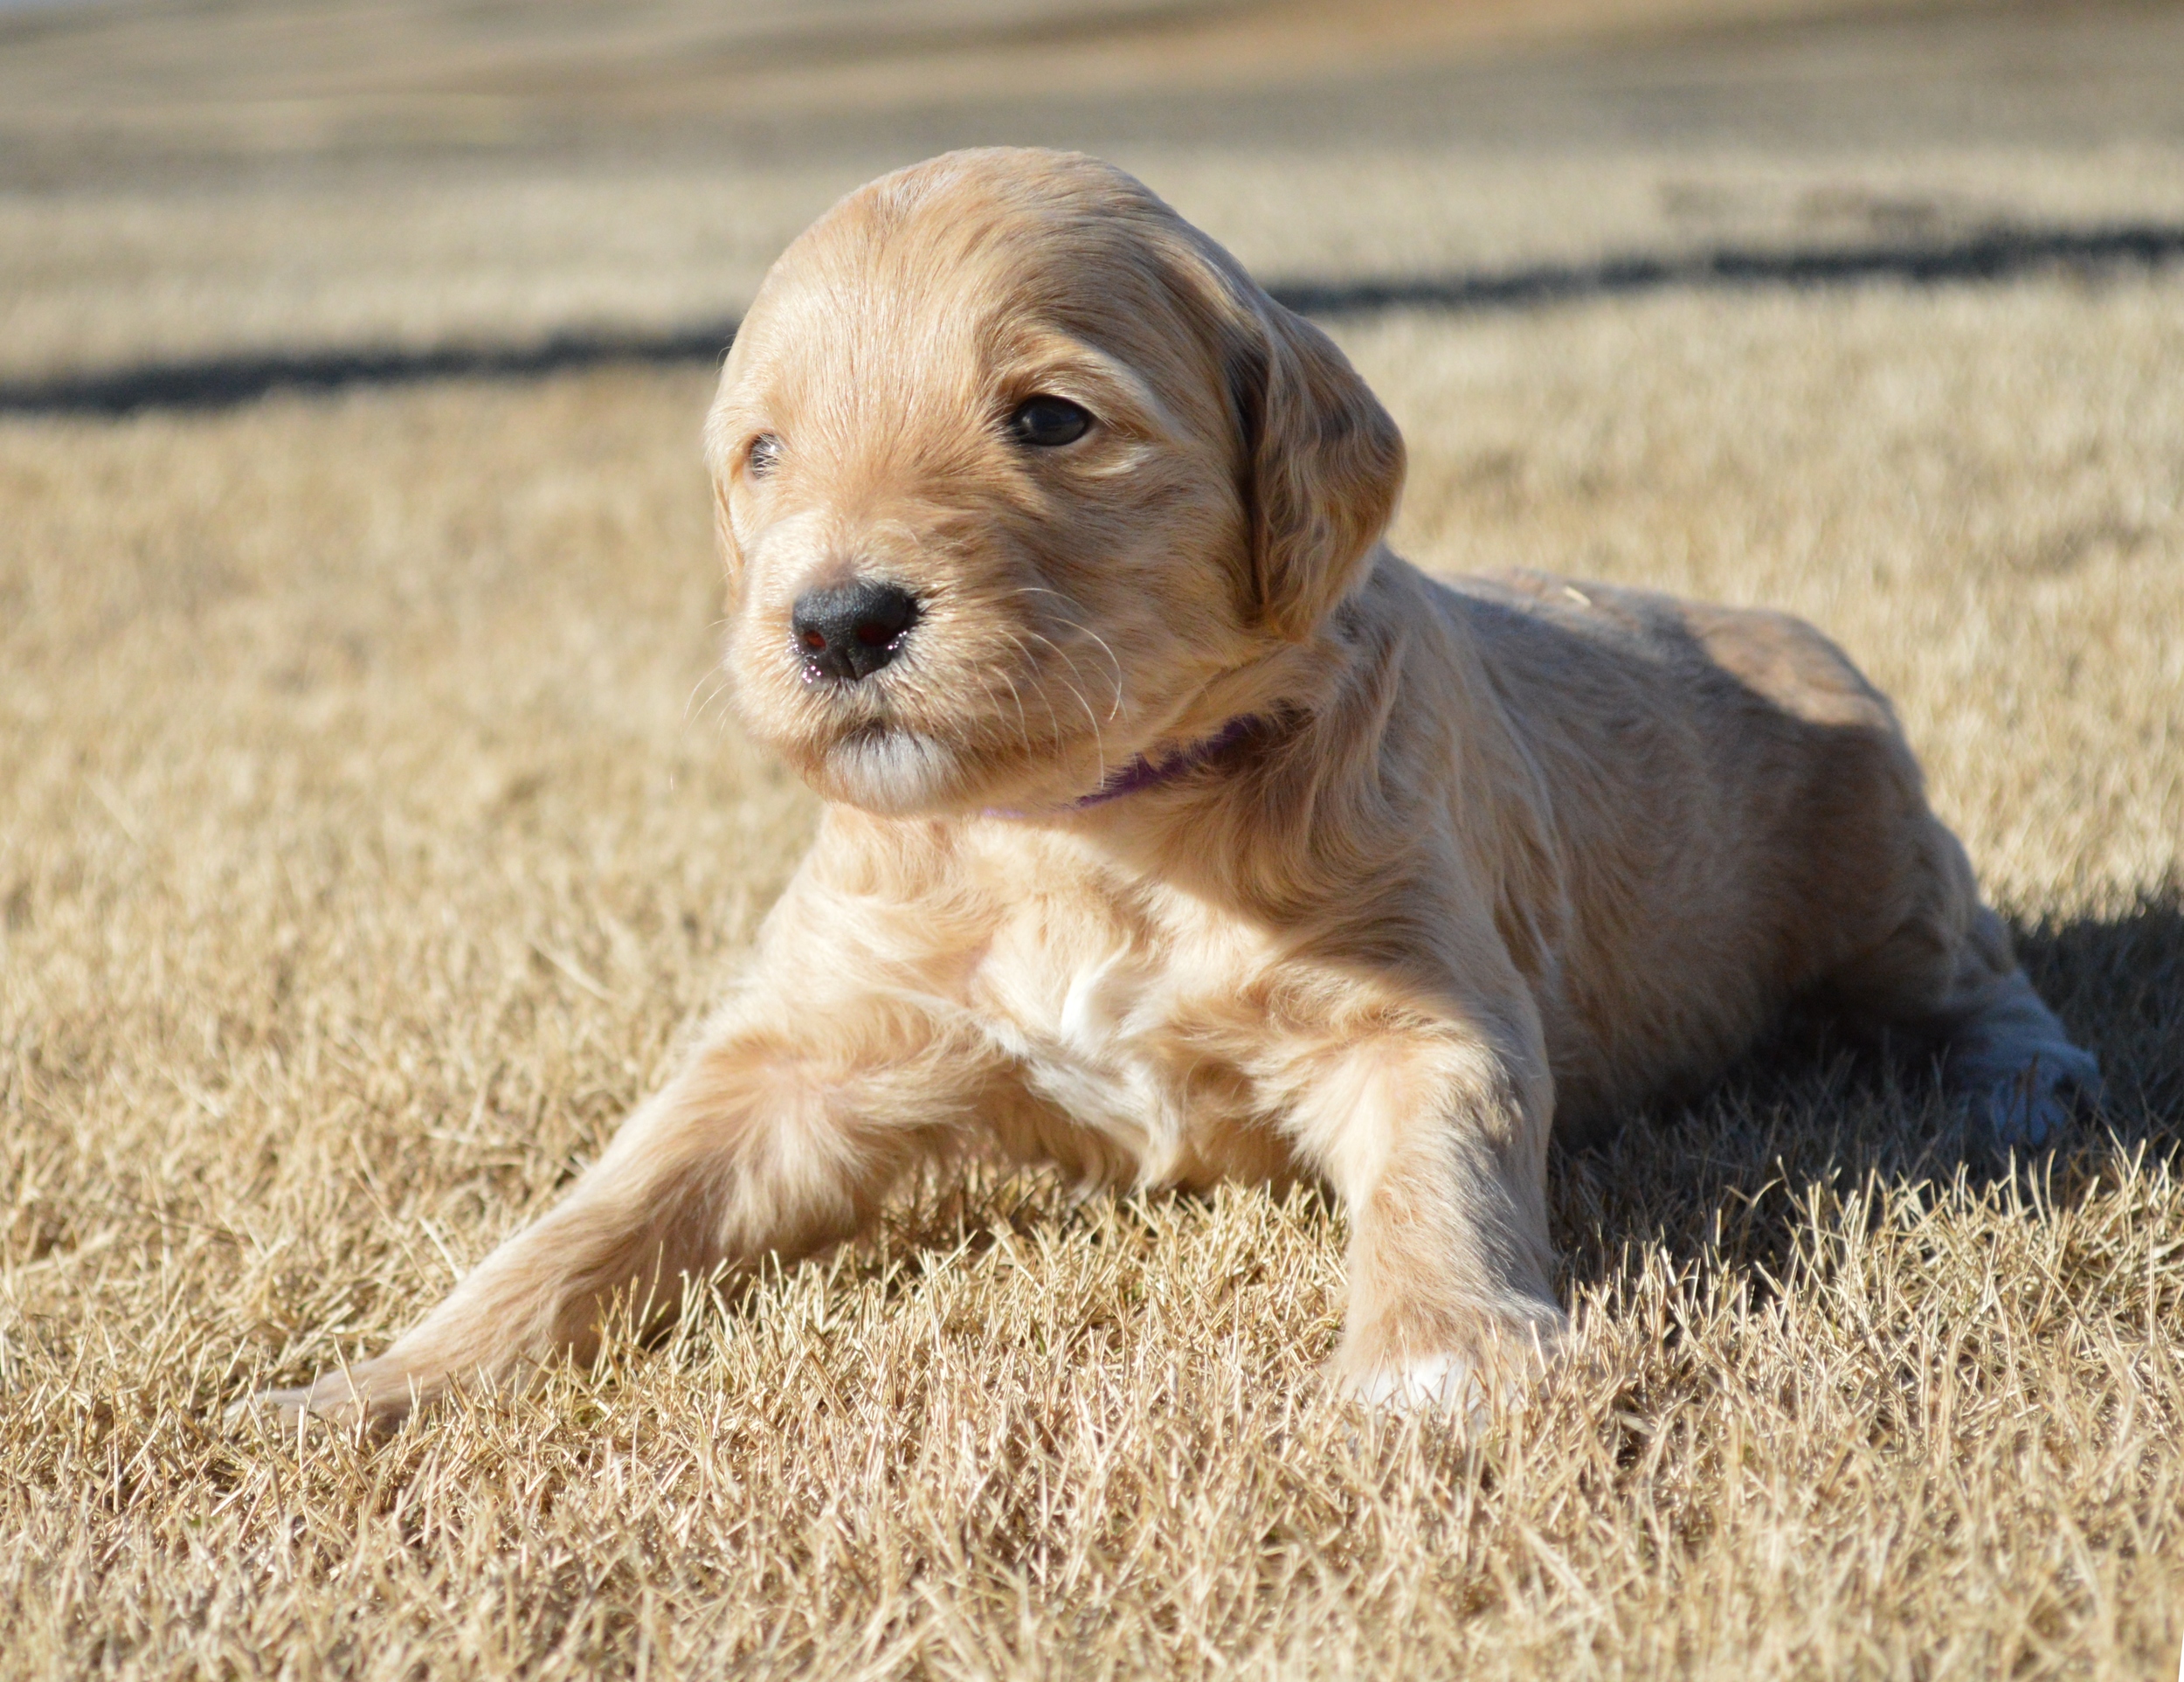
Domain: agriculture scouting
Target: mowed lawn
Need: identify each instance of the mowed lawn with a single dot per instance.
(370, 832)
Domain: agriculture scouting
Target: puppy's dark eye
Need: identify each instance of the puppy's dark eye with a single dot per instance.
(763, 455)
(1049, 421)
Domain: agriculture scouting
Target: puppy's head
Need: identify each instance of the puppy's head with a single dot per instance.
(1013, 468)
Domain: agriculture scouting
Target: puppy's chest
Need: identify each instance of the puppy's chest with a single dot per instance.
(1125, 1018)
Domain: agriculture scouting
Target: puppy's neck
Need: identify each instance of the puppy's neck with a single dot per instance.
(1335, 680)
(1149, 771)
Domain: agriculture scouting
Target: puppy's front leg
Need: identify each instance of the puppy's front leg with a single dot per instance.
(779, 1136)
(1435, 1139)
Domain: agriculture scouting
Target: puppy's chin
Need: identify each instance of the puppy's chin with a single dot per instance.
(892, 773)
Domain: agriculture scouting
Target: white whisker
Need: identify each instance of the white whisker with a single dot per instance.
(1054, 719)
(1072, 623)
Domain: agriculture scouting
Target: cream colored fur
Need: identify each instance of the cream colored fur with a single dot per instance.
(1493, 859)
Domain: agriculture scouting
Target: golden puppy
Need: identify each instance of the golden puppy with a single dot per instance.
(1178, 830)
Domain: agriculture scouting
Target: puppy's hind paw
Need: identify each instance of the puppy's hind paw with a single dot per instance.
(2026, 1107)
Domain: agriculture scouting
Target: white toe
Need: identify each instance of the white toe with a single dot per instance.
(1448, 1383)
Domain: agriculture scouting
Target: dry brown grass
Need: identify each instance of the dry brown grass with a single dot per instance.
(365, 840)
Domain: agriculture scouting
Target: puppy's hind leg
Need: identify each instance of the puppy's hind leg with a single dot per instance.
(1948, 977)
(776, 1137)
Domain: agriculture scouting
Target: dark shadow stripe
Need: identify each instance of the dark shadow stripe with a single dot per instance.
(223, 382)
(1992, 254)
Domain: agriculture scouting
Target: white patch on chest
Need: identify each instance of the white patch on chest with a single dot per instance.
(1094, 1007)
(1091, 1041)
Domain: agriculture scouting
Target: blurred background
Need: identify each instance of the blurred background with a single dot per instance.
(186, 179)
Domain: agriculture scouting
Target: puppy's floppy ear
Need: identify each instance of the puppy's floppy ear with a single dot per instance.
(1323, 463)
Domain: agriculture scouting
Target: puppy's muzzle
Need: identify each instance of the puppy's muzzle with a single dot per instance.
(847, 632)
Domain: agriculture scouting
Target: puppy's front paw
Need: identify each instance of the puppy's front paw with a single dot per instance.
(1506, 1364)
(2027, 1102)
(281, 1408)
(342, 1399)
(1443, 1383)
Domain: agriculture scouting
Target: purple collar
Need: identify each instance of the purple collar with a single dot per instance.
(1143, 773)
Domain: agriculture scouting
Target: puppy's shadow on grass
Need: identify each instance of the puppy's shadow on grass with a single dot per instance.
(1727, 1182)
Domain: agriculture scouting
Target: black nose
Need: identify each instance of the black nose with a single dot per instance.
(849, 630)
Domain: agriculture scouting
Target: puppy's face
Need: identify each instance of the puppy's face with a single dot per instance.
(1011, 467)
